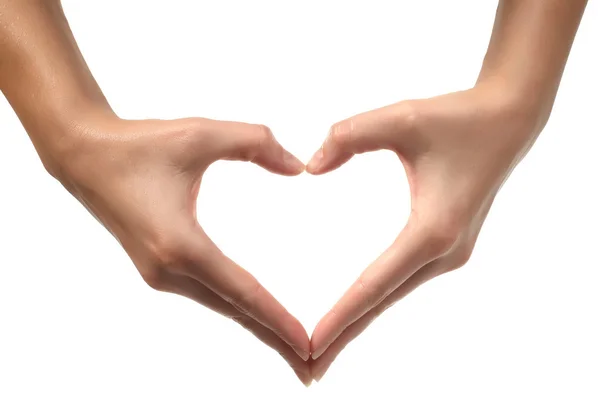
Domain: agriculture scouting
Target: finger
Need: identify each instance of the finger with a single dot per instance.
(254, 143)
(412, 249)
(192, 289)
(299, 365)
(211, 267)
(381, 128)
(320, 366)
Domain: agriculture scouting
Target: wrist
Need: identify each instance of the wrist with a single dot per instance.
(65, 133)
(517, 101)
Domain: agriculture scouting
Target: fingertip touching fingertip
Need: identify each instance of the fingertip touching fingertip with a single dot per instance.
(314, 164)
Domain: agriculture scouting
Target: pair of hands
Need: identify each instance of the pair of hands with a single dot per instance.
(141, 179)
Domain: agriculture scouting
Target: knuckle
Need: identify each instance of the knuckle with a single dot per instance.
(442, 236)
(441, 242)
(260, 136)
(263, 133)
(166, 253)
(163, 251)
(461, 256)
(341, 132)
(51, 169)
(454, 266)
(409, 116)
(155, 277)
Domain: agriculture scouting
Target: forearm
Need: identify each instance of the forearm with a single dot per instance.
(529, 47)
(43, 74)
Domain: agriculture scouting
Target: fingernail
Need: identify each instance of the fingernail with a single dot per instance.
(292, 162)
(314, 162)
(317, 353)
(304, 355)
(304, 377)
(301, 352)
(319, 373)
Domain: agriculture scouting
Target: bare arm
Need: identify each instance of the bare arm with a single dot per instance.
(44, 76)
(529, 47)
(457, 150)
(145, 197)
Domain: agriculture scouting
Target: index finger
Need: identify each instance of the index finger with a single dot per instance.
(242, 290)
(411, 250)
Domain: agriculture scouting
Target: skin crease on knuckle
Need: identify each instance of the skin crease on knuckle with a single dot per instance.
(408, 123)
(440, 237)
(260, 137)
(163, 250)
(341, 133)
(408, 116)
(155, 277)
(164, 255)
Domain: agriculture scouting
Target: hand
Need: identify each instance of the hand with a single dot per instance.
(457, 151)
(140, 179)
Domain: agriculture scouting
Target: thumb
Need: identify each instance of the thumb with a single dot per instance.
(254, 143)
(382, 128)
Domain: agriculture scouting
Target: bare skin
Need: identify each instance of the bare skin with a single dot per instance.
(457, 150)
(140, 178)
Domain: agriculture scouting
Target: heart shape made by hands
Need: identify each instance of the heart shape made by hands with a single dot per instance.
(452, 185)
(305, 233)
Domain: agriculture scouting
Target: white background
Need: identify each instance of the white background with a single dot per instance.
(519, 320)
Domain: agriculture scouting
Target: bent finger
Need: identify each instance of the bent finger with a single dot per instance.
(208, 265)
(413, 249)
(194, 290)
(320, 366)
